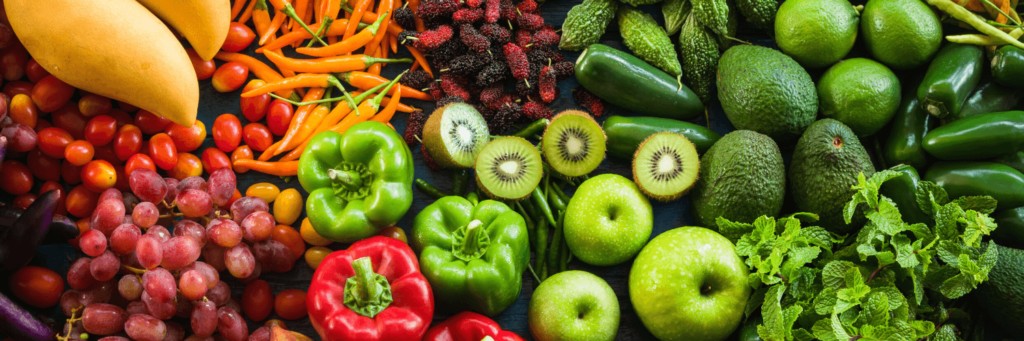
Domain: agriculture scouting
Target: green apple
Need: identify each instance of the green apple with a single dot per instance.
(574, 305)
(688, 283)
(608, 220)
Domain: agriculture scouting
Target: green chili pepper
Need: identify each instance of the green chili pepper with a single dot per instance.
(902, 190)
(1011, 227)
(977, 137)
(906, 131)
(429, 189)
(999, 181)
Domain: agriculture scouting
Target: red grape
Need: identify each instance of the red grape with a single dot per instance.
(105, 267)
(145, 214)
(93, 243)
(142, 327)
(103, 319)
(179, 252)
(219, 294)
(159, 232)
(20, 137)
(175, 332)
(130, 287)
(109, 213)
(79, 277)
(160, 309)
(214, 256)
(258, 226)
(192, 182)
(222, 184)
(190, 228)
(244, 206)
(148, 251)
(239, 261)
(193, 203)
(147, 185)
(159, 283)
(100, 293)
(210, 275)
(136, 307)
(224, 233)
(192, 285)
(124, 238)
(172, 187)
(69, 301)
(274, 255)
(231, 325)
(204, 318)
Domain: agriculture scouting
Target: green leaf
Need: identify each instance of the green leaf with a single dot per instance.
(773, 325)
(886, 217)
(834, 273)
(946, 333)
(957, 286)
(825, 302)
(876, 309)
(731, 229)
(981, 203)
(976, 226)
(928, 195)
(904, 251)
(989, 258)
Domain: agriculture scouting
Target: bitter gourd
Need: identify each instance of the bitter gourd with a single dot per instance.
(700, 58)
(648, 40)
(675, 12)
(759, 13)
(714, 14)
(585, 23)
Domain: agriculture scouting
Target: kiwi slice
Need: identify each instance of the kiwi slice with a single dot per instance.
(509, 167)
(573, 143)
(665, 166)
(454, 135)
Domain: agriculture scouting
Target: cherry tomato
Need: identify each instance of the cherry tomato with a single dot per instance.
(100, 130)
(15, 177)
(69, 119)
(163, 151)
(61, 194)
(309, 234)
(51, 93)
(257, 136)
(70, 174)
(81, 201)
(204, 68)
(37, 286)
(214, 159)
(227, 132)
(121, 117)
(394, 232)
(229, 77)
(234, 196)
(122, 180)
(43, 167)
(92, 104)
(12, 63)
(79, 152)
(127, 142)
(188, 165)
(24, 200)
(23, 110)
(257, 300)
(239, 37)
(4, 105)
(290, 304)
(288, 236)
(53, 140)
(241, 153)
(106, 153)
(18, 87)
(187, 139)
(315, 255)
(264, 190)
(255, 107)
(98, 175)
(35, 71)
(149, 123)
(279, 116)
(139, 161)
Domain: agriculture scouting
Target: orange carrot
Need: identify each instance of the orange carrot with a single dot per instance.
(236, 8)
(304, 80)
(420, 60)
(247, 13)
(357, 13)
(329, 64)
(279, 168)
(346, 45)
(363, 80)
(384, 116)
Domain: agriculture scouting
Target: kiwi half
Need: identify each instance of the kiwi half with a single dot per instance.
(665, 166)
(573, 143)
(509, 167)
(454, 135)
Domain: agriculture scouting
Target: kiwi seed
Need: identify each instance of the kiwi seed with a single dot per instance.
(509, 167)
(573, 143)
(454, 135)
(665, 166)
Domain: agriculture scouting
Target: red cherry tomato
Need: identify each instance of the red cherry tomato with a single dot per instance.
(70, 174)
(163, 151)
(92, 104)
(121, 117)
(69, 119)
(43, 167)
(12, 63)
(241, 153)
(227, 132)
(139, 161)
(187, 139)
(254, 108)
(15, 177)
(291, 238)
(122, 180)
(257, 300)
(50, 93)
(188, 165)
(35, 71)
(127, 142)
(98, 175)
(79, 152)
(100, 130)
(230, 77)
(23, 110)
(149, 123)
(127, 107)
(279, 116)
(37, 286)
(18, 87)
(204, 68)
(24, 200)
(81, 201)
(290, 304)
(239, 37)
(214, 159)
(61, 194)
(257, 136)
(106, 153)
(53, 140)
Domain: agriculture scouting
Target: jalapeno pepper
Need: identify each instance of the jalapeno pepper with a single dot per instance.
(951, 76)
(906, 131)
(999, 181)
(977, 137)
(903, 191)
(1011, 227)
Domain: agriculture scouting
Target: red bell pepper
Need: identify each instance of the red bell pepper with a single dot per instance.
(469, 326)
(371, 291)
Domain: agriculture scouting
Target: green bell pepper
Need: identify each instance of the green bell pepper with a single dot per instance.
(473, 254)
(357, 182)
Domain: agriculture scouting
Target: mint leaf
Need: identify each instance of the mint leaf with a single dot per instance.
(904, 251)
(976, 226)
(981, 203)
(929, 195)
(731, 229)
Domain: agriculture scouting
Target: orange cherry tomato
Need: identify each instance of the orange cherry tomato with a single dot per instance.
(163, 151)
(214, 159)
(241, 153)
(127, 142)
(254, 108)
(149, 123)
(139, 161)
(187, 139)
(227, 132)
(394, 232)
(15, 177)
(229, 77)
(291, 238)
(43, 167)
(53, 140)
(239, 37)
(92, 104)
(17, 87)
(37, 286)
(257, 300)
(23, 110)
(98, 175)
(100, 130)
(79, 152)
(188, 165)
(51, 93)
(204, 68)
(257, 136)
(70, 119)
(290, 304)
(80, 201)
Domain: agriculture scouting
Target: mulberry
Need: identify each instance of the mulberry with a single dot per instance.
(516, 59)
(547, 85)
(473, 40)
(437, 9)
(432, 39)
(494, 72)
(535, 111)
(588, 101)
(496, 33)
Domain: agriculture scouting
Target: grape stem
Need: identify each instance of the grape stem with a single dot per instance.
(69, 324)
(134, 270)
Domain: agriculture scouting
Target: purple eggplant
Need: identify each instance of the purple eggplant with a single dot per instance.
(3, 147)
(19, 244)
(62, 229)
(16, 322)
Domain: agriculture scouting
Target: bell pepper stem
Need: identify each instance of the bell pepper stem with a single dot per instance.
(471, 244)
(367, 293)
(364, 272)
(487, 338)
(349, 179)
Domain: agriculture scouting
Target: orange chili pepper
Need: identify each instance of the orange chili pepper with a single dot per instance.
(420, 60)
(278, 168)
(357, 13)
(346, 45)
(271, 30)
(236, 8)
(247, 13)
(303, 80)
(329, 64)
(364, 80)
(384, 116)
(336, 28)
(261, 17)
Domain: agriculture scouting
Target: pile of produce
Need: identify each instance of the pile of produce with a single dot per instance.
(751, 169)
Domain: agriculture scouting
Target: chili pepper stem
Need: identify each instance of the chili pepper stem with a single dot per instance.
(290, 12)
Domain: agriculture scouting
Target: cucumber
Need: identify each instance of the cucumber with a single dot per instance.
(987, 98)
(642, 35)
(675, 13)
(759, 13)
(632, 84)
(714, 14)
(951, 76)
(700, 58)
(626, 133)
(1008, 66)
(585, 23)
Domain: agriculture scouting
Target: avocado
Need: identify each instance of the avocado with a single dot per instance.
(827, 159)
(1002, 296)
(764, 90)
(742, 178)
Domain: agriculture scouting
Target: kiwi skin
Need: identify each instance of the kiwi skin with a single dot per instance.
(673, 196)
(530, 152)
(434, 143)
(575, 168)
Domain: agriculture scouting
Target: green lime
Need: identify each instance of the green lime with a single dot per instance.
(861, 93)
(902, 34)
(817, 33)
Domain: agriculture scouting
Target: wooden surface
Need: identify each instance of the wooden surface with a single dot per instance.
(666, 215)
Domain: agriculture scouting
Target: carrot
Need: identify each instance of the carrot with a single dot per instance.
(247, 13)
(363, 80)
(346, 45)
(329, 64)
(271, 30)
(236, 8)
(304, 80)
(420, 60)
(357, 13)
(335, 28)
(279, 168)
(261, 17)
(384, 116)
